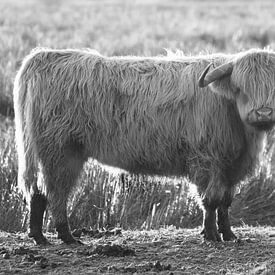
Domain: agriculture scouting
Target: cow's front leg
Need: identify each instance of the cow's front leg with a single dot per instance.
(223, 217)
(210, 231)
(212, 197)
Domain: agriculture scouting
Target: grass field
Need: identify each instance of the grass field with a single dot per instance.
(165, 251)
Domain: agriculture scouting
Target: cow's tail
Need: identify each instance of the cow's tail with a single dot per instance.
(24, 123)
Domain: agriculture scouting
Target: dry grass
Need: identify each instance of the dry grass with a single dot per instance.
(165, 251)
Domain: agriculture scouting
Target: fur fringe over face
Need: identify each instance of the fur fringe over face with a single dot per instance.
(144, 115)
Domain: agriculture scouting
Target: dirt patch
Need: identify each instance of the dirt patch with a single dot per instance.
(165, 251)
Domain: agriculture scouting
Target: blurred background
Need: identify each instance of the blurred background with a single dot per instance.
(138, 27)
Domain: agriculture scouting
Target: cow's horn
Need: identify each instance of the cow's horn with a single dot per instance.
(219, 72)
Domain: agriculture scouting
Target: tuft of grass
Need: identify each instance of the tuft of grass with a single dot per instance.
(12, 208)
(104, 200)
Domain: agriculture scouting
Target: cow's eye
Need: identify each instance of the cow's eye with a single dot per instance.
(243, 97)
(238, 90)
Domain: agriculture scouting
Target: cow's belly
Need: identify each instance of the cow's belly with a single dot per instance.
(151, 162)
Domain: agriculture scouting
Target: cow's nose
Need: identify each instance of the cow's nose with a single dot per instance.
(264, 113)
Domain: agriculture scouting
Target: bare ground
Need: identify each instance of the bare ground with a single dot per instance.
(165, 251)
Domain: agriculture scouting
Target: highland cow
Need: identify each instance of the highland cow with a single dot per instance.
(170, 115)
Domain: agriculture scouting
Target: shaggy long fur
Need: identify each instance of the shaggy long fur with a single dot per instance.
(144, 115)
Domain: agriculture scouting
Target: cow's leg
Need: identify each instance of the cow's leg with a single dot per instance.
(38, 205)
(37, 202)
(58, 201)
(212, 197)
(61, 176)
(210, 231)
(223, 217)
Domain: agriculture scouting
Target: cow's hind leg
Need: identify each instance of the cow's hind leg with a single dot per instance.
(61, 176)
(37, 202)
(38, 205)
(223, 217)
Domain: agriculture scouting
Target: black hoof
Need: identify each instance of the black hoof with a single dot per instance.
(211, 235)
(72, 241)
(63, 233)
(69, 239)
(39, 239)
(229, 236)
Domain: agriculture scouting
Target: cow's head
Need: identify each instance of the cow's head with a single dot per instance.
(249, 79)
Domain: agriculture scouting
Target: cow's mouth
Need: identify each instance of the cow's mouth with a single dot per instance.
(263, 125)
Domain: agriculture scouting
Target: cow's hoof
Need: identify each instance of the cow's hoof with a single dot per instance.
(74, 241)
(211, 235)
(69, 239)
(229, 236)
(39, 238)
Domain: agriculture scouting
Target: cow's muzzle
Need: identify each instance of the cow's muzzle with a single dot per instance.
(262, 118)
(264, 114)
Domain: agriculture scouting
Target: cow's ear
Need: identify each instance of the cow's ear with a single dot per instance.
(218, 79)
